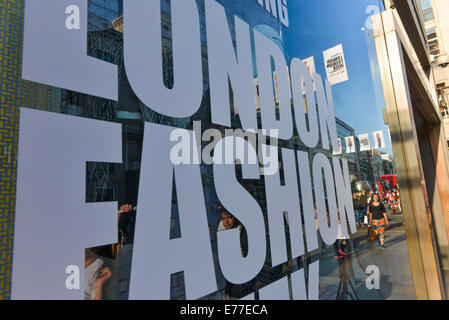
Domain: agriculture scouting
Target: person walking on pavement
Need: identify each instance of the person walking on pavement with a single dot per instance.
(370, 197)
(378, 218)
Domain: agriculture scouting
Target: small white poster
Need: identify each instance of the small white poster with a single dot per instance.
(334, 61)
(379, 140)
(350, 144)
(339, 149)
(365, 144)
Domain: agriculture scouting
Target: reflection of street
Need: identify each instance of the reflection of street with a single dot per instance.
(345, 278)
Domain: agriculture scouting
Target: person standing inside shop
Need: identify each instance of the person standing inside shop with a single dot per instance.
(378, 218)
(228, 222)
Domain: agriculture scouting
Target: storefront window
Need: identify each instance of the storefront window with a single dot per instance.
(337, 45)
(327, 221)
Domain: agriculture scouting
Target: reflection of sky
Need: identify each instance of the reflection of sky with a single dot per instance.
(318, 25)
(315, 26)
(425, 4)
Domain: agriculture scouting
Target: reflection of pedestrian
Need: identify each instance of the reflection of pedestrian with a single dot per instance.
(378, 218)
(357, 207)
(370, 197)
(126, 222)
(398, 201)
(229, 222)
(95, 276)
(391, 197)
(364, 203)
(342, 240)
(346, 287)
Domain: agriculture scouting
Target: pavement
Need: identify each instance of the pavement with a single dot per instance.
(345, 278)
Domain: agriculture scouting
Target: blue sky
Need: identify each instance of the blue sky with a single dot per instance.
(318, 25)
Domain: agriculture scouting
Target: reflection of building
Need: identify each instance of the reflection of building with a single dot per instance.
(387, 164)
(374, 164)
(344, 131)
(365, 168)
(377, 165)
(436, 22)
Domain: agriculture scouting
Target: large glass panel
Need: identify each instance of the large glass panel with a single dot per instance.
(338, 45)
(325, 210)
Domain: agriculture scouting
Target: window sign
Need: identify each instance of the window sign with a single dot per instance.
(189, 152)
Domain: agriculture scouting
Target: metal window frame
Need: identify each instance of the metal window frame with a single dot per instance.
(399, 63)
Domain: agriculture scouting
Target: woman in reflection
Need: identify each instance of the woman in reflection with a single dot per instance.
(378, 218)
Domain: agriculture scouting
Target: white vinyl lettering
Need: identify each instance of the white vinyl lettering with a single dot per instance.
(51, 205)
(300, 78)
(283, 12)
(277, 290)
(225, 66)
(143, 56)
(155, 255)
(57, 56)
(307, 200)
(235, 198)
(281, 199)
(266, 49)
(327, 215)
(326, 112)
(345, 204)
(299, 291)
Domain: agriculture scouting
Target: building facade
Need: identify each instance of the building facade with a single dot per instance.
(437, 31)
